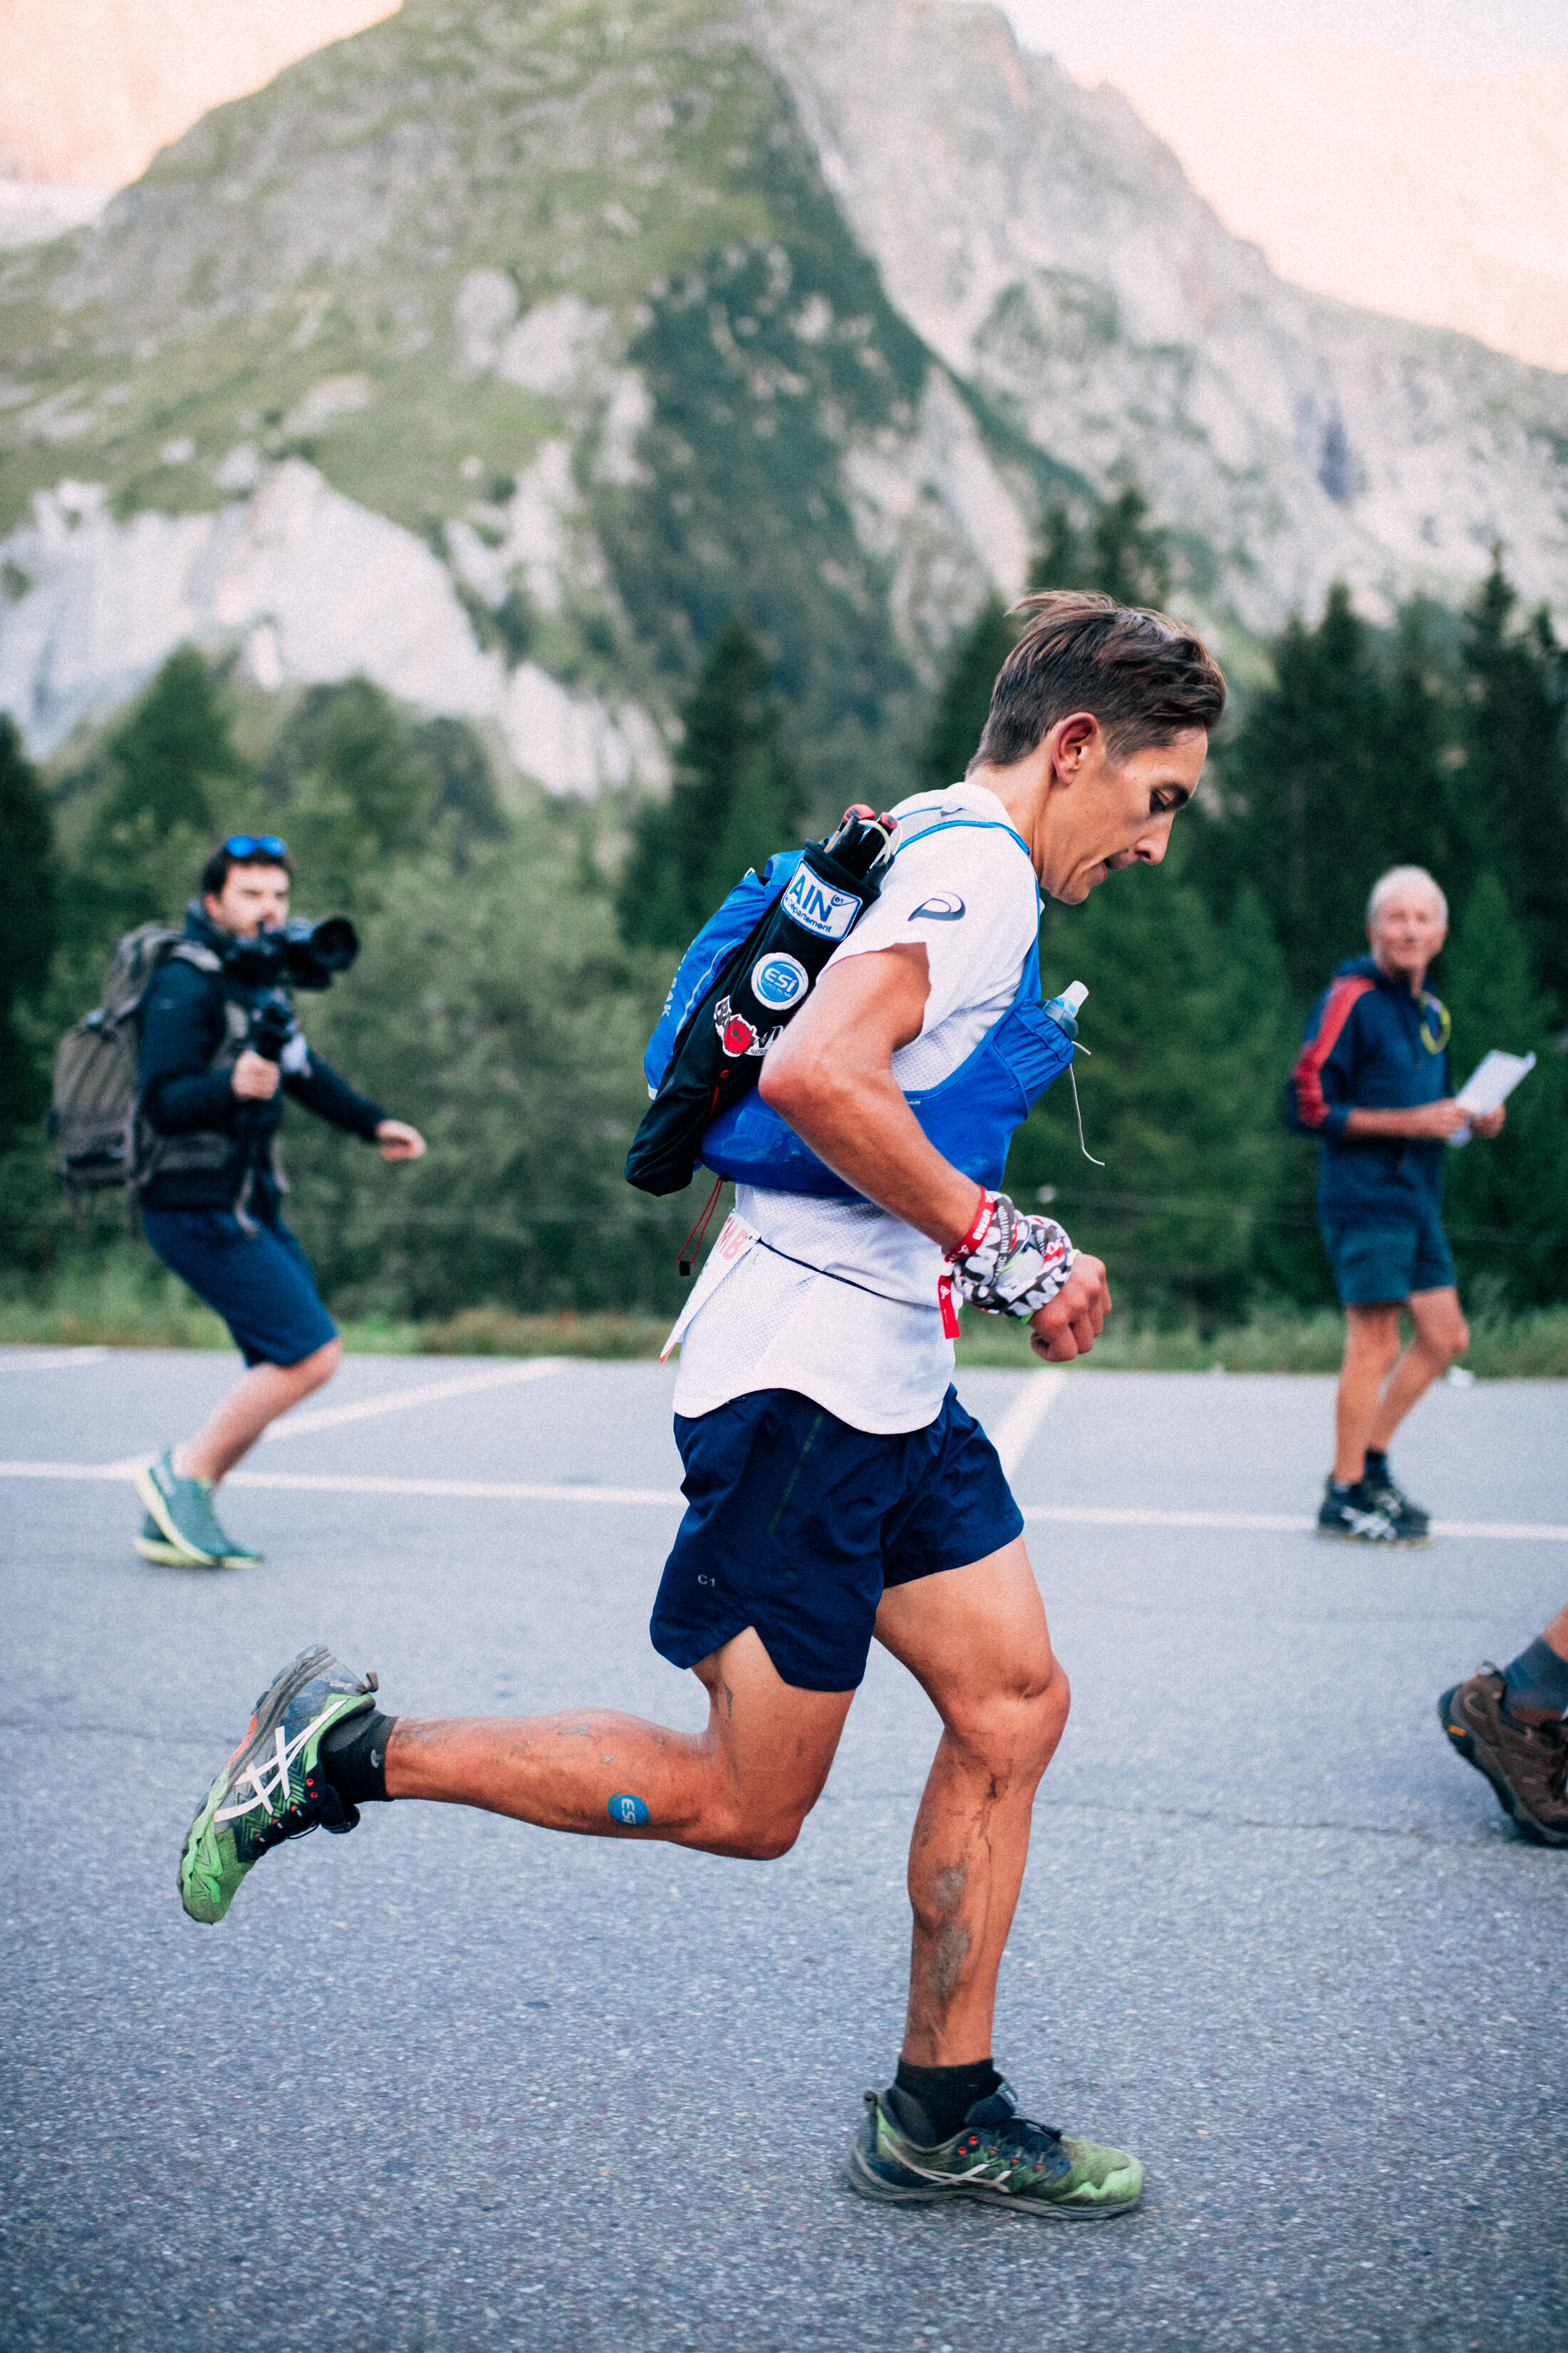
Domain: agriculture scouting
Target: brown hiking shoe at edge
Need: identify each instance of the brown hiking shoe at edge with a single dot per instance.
(1527, 1764)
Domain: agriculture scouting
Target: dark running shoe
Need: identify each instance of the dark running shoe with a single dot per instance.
(1390, 1496)
(273, 1787)
(997, 2157)
(1354, 1516)
(1527, 1764)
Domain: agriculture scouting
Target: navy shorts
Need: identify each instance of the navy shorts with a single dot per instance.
(260, 1282)
(796, 1523)
(1374, 1265)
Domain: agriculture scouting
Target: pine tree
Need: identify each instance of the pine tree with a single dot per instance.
(27, 919)
(1129, 558)
(1062, 560)
(1511, 1194)
(964, 701)
(1417, 821)
(1118, 553)
(174, 781)
(1516, 768)
(735, 799)
(1305, 791)
(353, 785)
(1182, 1030)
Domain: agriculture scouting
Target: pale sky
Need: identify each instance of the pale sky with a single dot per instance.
(1454, 37)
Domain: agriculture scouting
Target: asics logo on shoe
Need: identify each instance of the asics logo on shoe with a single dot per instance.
(265, 1778)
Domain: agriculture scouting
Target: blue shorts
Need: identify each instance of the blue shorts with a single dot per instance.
(796, 1523)
(260, 1284)
(1374, 1264)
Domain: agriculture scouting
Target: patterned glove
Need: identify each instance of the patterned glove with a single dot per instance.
(1010, 1264)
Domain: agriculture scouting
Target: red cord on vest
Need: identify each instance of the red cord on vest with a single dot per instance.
(693, 1241)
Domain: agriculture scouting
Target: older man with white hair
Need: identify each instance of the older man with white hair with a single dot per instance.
(1372, 1081)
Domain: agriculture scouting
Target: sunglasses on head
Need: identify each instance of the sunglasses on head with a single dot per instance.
(245, 845)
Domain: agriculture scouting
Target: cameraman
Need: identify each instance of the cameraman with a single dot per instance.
(212, 1204)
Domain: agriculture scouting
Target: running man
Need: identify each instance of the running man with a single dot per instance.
(1372, 1081)
(836, 1487)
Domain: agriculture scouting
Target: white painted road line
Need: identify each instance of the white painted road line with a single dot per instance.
(495, 1491)
(1014, 1433)
(50, 1360)
(506, 1490)
(1079, 1515)
(336, 1417)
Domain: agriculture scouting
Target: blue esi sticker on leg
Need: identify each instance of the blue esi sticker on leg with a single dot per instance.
(629, 1810)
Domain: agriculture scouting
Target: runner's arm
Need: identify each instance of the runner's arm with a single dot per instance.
(1444, 1117)
(831, 1076)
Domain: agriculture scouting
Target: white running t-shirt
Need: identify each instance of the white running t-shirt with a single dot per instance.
(869, 1347)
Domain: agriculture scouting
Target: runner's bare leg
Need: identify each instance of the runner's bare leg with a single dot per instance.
(1441, 1333)
(257, 1398)
(976, 1640)
(742, 1787)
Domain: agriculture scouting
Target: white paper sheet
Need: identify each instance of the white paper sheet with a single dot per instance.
(1491, 1083)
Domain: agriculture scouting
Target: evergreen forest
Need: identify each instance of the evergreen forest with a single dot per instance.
(516, 950)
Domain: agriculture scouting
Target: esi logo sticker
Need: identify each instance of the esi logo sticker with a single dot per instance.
(630, 1811)
(779, 981)
(945, 908)
(818, 907)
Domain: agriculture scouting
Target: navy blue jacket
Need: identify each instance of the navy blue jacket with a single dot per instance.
(1370, 1045)
(184, 1028)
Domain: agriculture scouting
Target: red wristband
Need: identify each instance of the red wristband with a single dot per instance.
(979, 1227)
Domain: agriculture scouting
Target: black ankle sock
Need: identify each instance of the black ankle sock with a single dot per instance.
(1376, 1463)
(946, 2094)
(353, 1756)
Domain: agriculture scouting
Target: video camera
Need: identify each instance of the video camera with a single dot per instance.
(299, 953)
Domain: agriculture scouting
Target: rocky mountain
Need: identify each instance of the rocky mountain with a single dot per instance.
(504, 350)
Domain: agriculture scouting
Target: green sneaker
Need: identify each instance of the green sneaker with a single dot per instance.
(997, 2156)
(182, 1511)
(273, 1787)
(155, 1546)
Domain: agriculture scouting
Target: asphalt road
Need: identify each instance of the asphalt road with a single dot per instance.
(452, 2083)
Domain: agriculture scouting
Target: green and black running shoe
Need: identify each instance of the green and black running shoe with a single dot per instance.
(273, 1787)
(997, 2156)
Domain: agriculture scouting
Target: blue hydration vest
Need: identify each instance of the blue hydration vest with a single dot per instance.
(969, 1116)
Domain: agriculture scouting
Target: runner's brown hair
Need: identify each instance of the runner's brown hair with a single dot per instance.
(1146, 678)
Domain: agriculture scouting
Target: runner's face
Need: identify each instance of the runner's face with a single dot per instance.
(253, 899)
(1407, 931)
(1114, 812)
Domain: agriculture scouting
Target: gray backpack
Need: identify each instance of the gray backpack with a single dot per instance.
(100, 1141)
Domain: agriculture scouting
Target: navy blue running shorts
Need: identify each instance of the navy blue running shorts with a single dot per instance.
(796, 1523)
(1375, 1265)
(260, 1282)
